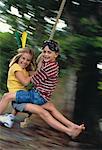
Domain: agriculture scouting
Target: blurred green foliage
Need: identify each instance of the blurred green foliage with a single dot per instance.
(7, 50)
(81, 37)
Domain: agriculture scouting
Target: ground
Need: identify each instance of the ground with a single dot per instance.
(38, 135)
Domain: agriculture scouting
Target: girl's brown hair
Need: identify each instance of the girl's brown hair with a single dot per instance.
(32, 65)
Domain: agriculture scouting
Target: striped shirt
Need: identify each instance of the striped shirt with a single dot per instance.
(45, 79)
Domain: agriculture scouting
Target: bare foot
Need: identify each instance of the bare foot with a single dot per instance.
(82, 126)
(75, 133)
(79, 127)
(76, 130)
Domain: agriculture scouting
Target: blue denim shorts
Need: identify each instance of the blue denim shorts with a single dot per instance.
(32, 96)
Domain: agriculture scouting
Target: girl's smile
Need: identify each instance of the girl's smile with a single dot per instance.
(25, 60)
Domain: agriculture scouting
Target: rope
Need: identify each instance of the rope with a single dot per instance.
(57, 18)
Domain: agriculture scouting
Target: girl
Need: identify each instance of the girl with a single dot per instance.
(21, 66)
(44, 81)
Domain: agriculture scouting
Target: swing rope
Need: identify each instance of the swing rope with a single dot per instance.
(54, 26)
(22, 41)
(57, 18)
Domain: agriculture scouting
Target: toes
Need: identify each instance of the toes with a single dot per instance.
(82, 126)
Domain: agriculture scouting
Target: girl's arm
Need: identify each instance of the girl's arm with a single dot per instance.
(24, 80)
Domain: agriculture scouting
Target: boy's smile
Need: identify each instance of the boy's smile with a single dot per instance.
(49, 55)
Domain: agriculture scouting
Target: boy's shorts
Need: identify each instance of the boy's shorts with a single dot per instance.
(32, 96)
(19, 107)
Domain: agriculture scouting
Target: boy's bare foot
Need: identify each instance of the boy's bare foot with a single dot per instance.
(79, 127)
(76, 130)
(75, 133)
(82, 126)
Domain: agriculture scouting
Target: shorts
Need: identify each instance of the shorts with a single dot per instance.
(32, 96)
(19, 107)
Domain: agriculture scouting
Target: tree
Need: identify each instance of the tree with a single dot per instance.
(80, 42)
(6, 52)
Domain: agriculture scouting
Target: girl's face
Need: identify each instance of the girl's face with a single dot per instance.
(49, 55)
(25, 60)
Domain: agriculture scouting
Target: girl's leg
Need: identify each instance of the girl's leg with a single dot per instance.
(47, 117)
(50, 107)
(8, 97)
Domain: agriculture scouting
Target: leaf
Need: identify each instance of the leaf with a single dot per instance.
(24, 37)
(18, 39)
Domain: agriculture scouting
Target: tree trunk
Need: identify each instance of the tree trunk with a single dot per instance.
(69, 96)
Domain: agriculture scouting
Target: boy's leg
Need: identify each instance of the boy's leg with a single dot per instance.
(52, 109)
(47, 117)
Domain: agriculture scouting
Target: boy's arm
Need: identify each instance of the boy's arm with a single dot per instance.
(50, 70)
(39, 76)
(32, 73)
(39, 64)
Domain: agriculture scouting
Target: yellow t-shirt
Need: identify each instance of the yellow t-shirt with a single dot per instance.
(13, 83)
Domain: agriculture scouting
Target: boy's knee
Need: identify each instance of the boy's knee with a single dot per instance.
(44, 113)
(27, 107)
(52, 106)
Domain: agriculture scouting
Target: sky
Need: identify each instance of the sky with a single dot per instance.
(4, 27)
(99, 65)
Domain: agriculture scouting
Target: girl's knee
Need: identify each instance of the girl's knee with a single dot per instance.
(5, 95)
(8, 96)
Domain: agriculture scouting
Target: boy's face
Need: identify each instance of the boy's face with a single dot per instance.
(49, 55)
